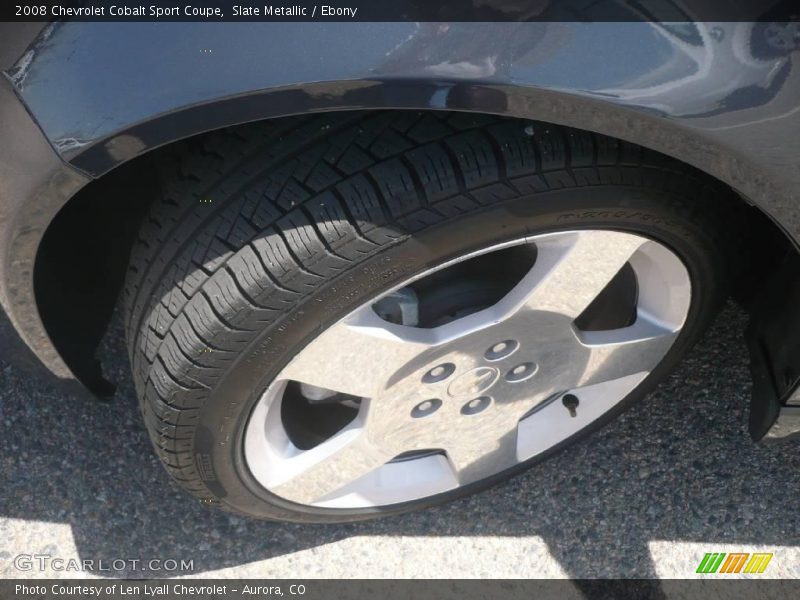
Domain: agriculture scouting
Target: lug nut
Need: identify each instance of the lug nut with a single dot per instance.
(439, 373)
(425, 408)
(521, 372)
(473, 407)
(501, 350)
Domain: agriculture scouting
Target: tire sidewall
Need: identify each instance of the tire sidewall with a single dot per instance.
(218, 440)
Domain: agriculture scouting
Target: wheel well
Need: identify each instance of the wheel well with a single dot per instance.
(81, 263)
(82, 259)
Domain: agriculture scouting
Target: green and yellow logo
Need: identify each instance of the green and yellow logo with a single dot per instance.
(734, 562)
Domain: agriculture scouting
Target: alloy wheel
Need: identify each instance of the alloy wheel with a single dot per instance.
(416, 405)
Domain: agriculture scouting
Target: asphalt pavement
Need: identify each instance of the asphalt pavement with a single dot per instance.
(648, 496)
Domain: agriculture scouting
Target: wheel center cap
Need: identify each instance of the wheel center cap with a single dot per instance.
(473, 382)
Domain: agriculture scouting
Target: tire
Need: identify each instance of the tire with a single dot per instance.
(265, 235)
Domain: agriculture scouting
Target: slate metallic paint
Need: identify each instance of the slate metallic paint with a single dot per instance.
(715, 95)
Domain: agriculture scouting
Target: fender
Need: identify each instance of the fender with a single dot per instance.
(713, 95)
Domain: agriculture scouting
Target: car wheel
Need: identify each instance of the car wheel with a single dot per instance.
(346, 316)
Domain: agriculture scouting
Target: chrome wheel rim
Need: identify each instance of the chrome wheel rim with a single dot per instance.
(443, 406)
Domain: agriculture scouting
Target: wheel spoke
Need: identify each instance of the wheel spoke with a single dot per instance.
(314, 474)
(622, 352)
(571, 270)
(358, 355)
(553, 422)
(477, 457)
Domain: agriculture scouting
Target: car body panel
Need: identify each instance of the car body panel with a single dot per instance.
(724, 97)
(714, 95)
(34, 184)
